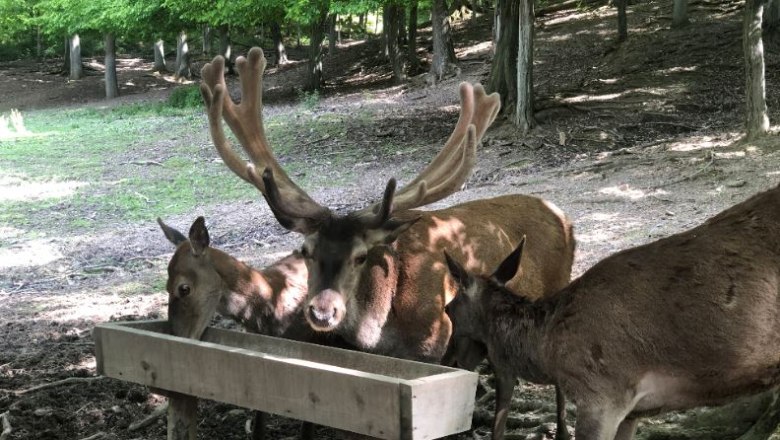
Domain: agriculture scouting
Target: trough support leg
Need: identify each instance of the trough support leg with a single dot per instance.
(182, 416)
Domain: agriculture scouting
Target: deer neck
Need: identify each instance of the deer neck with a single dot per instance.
(517, 332)
(259, 300)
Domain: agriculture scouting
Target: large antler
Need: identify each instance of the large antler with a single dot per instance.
(246, 122)
(452, 166)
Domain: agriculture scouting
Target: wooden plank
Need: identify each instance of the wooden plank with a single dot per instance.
(440, 405)
(371, 363)
(343, 398)
(182, 417)
(364, 393)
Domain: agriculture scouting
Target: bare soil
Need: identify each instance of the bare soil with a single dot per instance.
(637, 141)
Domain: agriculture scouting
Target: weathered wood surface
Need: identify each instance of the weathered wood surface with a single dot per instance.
(359, 392)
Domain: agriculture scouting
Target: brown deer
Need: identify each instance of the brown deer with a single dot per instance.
(685, 321)
(377, 277)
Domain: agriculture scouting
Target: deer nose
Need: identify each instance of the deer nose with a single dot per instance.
(325, 310)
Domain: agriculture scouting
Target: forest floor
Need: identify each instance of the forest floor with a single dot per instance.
(636, 141)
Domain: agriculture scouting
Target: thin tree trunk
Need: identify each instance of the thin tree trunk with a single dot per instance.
(66, 57)
(622, 21)
(38, 43)
(390, 32)
(225, 48)
(281, 52)
(680, 13)
(316, 36)
(362, 22)
(159, 56)
(503, 71)
(772, 16)
(524, 111)
(332, 34)
(207, 40)
(183, 59)
(76, 71)
(112, 87)
(383, 46)
(401, 25)
(443, 50)
(411, 47)
(757, 120)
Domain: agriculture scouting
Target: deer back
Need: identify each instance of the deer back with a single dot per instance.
(697, 311)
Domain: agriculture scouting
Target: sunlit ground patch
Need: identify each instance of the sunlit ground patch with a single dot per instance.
(31, 253)
(17, 189)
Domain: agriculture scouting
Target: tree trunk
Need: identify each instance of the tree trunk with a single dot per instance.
(276, 36)
(76, 71)
(622, 21)
(206, 40)
(757, 120)
(112, 88)
(225, 48)
(772, 16)
(401, 25)
(383, 46)
(66, 57)
(680, 13)
(443, 50)
(390, 32)
(316, 36)
(411, 47)
(332, 34)
(503, 71)
(183, 59)
(362, 22)
(524, 111)
(38, 43)
(159, 56)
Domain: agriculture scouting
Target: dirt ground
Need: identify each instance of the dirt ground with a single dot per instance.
(637, 141)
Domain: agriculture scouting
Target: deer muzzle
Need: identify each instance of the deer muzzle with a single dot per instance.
(326, 310)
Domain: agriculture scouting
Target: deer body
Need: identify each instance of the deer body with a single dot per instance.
(689, 320)
(398, 309)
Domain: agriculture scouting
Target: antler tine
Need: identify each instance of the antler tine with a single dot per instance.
(453, 164)
(246, 122)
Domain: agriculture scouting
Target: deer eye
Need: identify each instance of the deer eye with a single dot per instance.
(360, 260)
(184, 290)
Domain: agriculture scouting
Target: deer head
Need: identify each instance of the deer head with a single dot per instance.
(203, 280)
(337, 248)
(192, 300)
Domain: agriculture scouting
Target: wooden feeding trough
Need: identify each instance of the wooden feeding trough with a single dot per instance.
(368, 394)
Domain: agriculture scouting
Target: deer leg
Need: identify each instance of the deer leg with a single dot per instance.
(627, 429)
(505, 385)
(561, 430)
(258, 425)
(307, 431)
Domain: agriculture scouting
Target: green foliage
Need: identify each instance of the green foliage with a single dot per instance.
(186, 97)
(309, 99)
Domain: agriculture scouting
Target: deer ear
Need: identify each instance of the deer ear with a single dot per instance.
(508, 268)
(457, 271)
(389, 231)
(199, 236)
(171, 234)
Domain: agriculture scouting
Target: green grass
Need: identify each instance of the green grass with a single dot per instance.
(136, 162)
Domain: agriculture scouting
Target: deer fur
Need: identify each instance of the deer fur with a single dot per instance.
(404, 286)
(685, 321)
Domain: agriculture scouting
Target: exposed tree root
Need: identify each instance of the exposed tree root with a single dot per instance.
(151, 418)
(96, 436)
(6, 426)
(68, 381)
